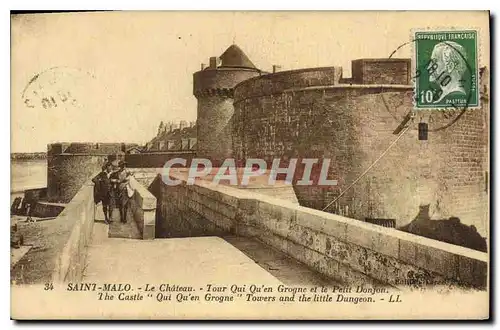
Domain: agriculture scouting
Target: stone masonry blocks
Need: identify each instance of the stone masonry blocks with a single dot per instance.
(336, 246)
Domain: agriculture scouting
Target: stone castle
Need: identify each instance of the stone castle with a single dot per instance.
(244, 112)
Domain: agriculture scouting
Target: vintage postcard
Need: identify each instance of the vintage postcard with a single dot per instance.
(250, 165)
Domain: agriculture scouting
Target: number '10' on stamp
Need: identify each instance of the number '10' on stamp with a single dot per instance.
(446, 69)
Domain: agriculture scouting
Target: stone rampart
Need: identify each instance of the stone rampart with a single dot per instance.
(79, 214)
(347, 250)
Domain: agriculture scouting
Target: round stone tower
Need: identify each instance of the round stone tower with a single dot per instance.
(213, 87)
(70, 165)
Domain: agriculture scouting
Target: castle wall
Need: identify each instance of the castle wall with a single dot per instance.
(381, 71)
(66, 173)
(85, 148)
(214, 90)
(448, 171)
(348, 251)
(156, 159)
(353, 125)
(220, 78)
(276, 83)
(214, 127)
(70, 165)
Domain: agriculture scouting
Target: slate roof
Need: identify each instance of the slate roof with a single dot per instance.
(234, 57)
(176, 136)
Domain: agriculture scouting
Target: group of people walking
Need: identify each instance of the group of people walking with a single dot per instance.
(111, 187)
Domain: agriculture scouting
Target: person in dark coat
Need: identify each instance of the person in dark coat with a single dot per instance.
(120, 180)
(102, 190)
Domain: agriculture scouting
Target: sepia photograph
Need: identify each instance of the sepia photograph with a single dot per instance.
(246, 165)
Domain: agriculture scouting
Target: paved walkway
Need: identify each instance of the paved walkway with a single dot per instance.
(287, 270)
(116, 228)
(182, 261)
(118, 254)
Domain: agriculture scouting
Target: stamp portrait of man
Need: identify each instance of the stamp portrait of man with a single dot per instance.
(449, 59)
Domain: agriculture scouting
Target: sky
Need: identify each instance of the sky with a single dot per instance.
(114, 76)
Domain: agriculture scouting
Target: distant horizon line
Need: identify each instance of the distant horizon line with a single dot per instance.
(28, 152)
(77, 142)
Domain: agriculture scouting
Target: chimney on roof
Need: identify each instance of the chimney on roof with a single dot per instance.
(214, 62)
(276, 68)
(203, 66)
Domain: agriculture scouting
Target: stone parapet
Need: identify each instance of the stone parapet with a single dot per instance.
(143, 207)
(80, 214)
(345, 249)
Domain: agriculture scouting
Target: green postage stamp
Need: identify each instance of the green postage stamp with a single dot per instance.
(446, 69)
